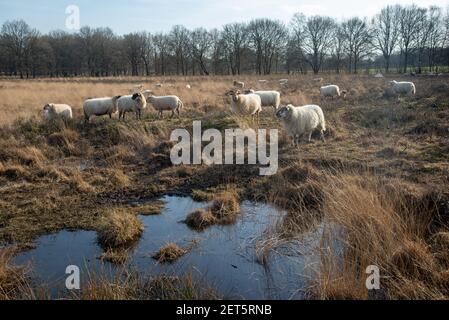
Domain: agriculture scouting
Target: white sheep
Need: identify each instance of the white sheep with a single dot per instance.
(53, 111)
(245, 104)
(239, 84)
(166, 103)
(302, 121)
(100, 107)
(403, 87)
(318, 79)
(331, 91)
(131, 103)
(268, 98)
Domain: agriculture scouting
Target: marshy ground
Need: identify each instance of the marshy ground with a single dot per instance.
(378, 187)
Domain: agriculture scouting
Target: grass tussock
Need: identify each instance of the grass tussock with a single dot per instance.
(169, 253)
(14, 283)
(115, 256)
(129, 285)
(226, 207)
(119, 229)
(200, 219)
(373, 222)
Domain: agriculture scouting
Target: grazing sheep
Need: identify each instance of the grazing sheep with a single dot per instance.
(331, 91)
(268, 98)
(239, 84)
(245, 104)
(318, 79)
(132, 103)
(54, 111)
(99, 107)
(403, 87)
(168, 103)
(300, 121)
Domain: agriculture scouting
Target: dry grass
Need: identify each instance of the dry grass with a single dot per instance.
(119, 229)
(169, 253)
(376, 177)
(200, 219)
(226, 207)
(115, 256)
(14, 283)
(129, 285)
(373, 222)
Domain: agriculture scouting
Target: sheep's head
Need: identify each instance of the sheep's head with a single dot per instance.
(392, 83)
(49, 107)
(284, 112)
(139, 98)
(234, 94)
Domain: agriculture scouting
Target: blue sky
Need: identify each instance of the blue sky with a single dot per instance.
(156, 15)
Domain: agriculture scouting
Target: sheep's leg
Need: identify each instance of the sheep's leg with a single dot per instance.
(322, 136)
(172, 113)
(309, 137)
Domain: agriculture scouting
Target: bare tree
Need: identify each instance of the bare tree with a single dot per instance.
(235, 41)
(338, 47)
(317, 34)
(179, 43)
(268, 37)
(386, 32)
(200, 43)
(162, 44)
(435, 39)
(358, 41)
(408, 22)
(17, 38)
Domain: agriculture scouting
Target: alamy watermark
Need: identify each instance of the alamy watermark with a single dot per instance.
(373, 280)
(72, 282)
(189, 148)
(72, 21)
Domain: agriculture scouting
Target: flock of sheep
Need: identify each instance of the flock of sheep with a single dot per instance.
(297, 121)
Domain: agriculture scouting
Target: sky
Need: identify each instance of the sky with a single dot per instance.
(126, 16)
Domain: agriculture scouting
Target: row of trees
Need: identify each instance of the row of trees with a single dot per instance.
(399, 37)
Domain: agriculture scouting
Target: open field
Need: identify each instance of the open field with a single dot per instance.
(381, 178)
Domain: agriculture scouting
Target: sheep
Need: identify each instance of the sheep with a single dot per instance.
(268, 98)
(131, 103)
(378, 75)
(245, 104)
(100, 107)
(331, 91)
(239, 84)
(54, 111)
(300, 121)
(163, 103)
(403, 87)
(318, 79)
